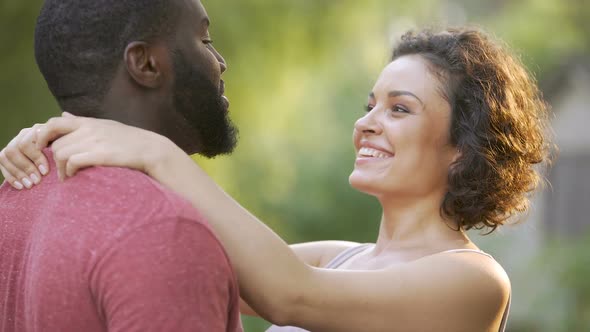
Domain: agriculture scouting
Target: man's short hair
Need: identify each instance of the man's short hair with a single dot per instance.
(79, 44)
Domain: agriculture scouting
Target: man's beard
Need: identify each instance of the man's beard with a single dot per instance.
(200, 103)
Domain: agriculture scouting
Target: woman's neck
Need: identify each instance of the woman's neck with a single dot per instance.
(416, 223)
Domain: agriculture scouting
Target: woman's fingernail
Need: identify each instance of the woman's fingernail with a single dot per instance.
(35, 178)
(42, 169)
(18, 185)
(27, 183)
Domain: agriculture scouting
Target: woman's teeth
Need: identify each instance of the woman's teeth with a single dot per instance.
(368, 152)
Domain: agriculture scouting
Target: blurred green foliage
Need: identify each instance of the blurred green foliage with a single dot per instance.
(573, 263)
(299, 73)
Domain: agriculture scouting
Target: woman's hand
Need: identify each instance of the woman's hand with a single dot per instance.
(21, 162)
(79, 142)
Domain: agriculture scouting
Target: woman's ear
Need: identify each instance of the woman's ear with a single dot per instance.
(144, 64)
(456, 156)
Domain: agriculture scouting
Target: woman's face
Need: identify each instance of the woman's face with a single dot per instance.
(402, 143)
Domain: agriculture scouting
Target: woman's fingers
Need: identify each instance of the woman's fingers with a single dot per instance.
(11, 179)
(23, 163)
(13, 172)
(61, 156)
(17, 164)
(80, 142)
(21, 167)
(28, 146)
(82, 160)
(67, 146)
(55, 128)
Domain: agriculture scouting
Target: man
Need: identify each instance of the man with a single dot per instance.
(110, 249)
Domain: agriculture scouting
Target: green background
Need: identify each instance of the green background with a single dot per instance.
(299, 73)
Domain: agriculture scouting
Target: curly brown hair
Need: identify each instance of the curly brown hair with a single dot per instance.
(499, 124)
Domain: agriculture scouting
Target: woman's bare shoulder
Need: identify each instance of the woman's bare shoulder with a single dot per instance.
(475, 280)
(423, 295)
(473, 263)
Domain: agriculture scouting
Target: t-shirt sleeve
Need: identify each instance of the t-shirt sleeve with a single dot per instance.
(168, 276)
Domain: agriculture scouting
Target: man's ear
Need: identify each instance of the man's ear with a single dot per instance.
(144, 64)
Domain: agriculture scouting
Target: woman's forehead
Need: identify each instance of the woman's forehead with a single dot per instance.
(408, 73)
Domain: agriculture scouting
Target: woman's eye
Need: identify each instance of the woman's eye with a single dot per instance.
(395, 109)
(399, 109)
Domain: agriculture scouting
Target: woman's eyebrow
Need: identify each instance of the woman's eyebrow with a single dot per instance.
(397, 93)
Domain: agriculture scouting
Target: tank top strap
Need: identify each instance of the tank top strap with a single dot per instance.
(505, 316)
(346, 255)
(466, 250)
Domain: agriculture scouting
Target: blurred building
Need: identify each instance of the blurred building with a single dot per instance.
(567, 202)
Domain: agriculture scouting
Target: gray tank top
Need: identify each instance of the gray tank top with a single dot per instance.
(351, 252)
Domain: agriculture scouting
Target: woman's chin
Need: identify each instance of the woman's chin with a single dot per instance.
(363, 184)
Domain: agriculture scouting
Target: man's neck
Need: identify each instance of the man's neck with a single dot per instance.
(132, 106)
(154, 112)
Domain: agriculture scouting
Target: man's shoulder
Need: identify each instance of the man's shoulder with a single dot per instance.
(109, 183)
(113, 203)
(116, 180)
(121, 192)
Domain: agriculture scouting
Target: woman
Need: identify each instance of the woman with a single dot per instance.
(453, 131)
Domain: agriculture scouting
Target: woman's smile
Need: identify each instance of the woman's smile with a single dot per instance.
(370, 153)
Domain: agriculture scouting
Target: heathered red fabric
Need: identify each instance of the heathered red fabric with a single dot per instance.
(110, 250)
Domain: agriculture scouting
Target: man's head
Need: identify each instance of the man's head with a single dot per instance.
(148, 63)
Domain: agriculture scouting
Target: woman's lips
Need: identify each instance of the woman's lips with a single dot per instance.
(363, 160)
(371, 154)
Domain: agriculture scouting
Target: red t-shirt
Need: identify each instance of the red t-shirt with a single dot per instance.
(110, 250)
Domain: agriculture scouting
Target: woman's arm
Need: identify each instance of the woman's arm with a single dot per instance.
(423, 295)
(268, 270)
(316, 254)
(282, 288)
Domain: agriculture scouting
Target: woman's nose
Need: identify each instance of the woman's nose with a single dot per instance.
(369, 123)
